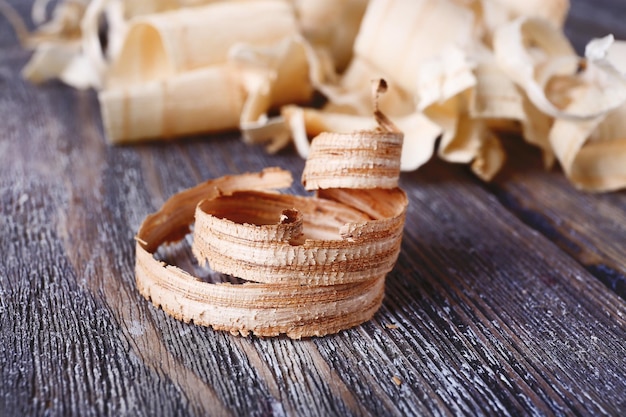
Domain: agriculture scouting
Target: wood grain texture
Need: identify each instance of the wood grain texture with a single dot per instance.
(500, 304)
(591, 228)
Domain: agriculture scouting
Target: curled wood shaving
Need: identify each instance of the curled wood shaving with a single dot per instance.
(533, 53)
(584, 99)
(366, 159)
(314, 265)
(236, 63)
(277, 238)
(263, 309)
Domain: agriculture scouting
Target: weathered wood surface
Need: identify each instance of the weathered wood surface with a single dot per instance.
(508, 298)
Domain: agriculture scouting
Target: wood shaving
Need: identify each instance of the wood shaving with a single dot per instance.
(313, 265)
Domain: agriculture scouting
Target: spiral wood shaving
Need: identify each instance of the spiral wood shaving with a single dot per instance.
(312, 265)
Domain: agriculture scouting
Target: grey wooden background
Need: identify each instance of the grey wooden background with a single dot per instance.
(508, 298)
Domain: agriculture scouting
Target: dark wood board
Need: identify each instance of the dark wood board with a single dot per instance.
(508, 297)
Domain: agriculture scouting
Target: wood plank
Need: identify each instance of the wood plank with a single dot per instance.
(457, 295)
(492, 317)
(591, 228)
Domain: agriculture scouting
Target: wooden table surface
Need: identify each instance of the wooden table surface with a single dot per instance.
(508, 298)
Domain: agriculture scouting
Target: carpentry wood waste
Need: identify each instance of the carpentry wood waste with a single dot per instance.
(176, 68)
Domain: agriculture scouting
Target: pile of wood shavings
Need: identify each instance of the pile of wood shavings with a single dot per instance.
(460, 70)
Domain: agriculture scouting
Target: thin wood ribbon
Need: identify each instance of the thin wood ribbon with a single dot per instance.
(313, 265)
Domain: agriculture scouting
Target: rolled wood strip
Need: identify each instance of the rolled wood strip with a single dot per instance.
(206, 100)
(265, 310)
(364, 159)
(158, 46)
(171, 223)
(318, 263)
(262, 309)
(396, 36)
(243, 235)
